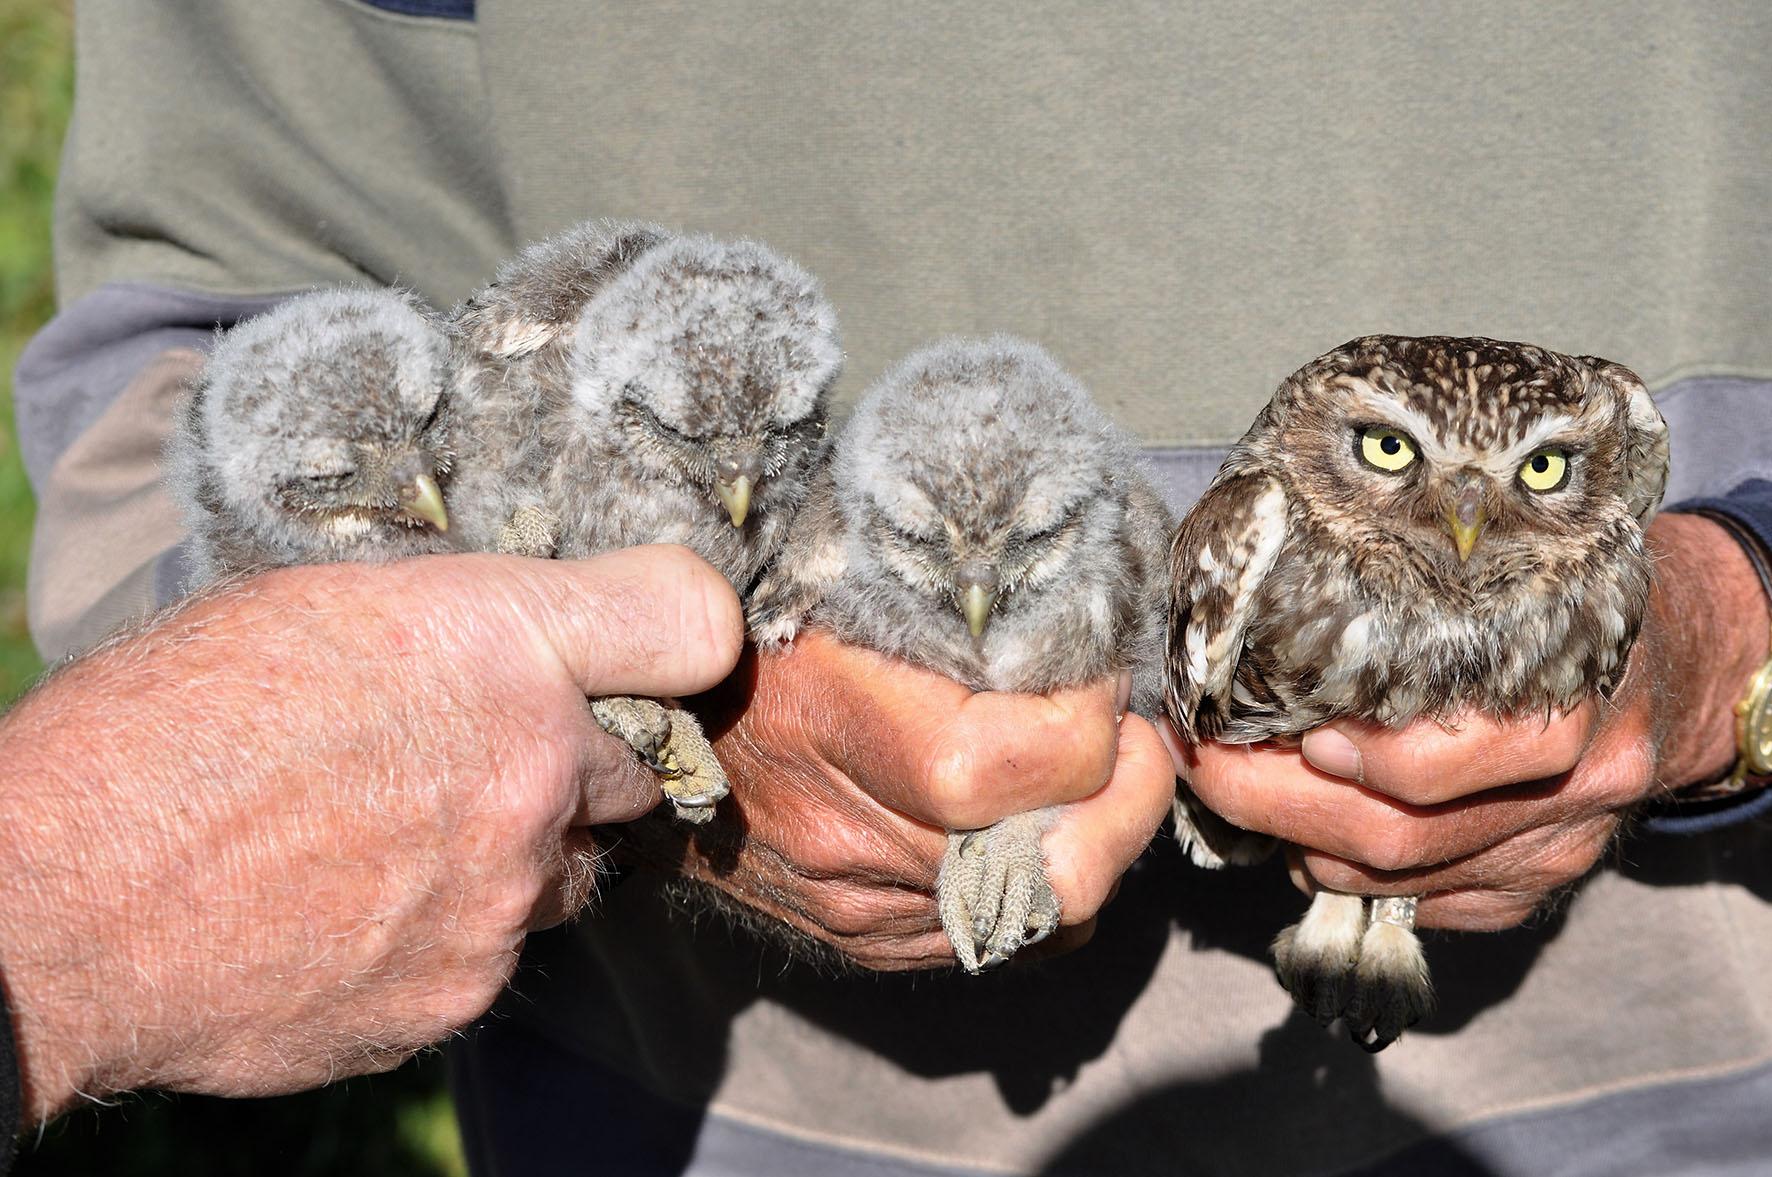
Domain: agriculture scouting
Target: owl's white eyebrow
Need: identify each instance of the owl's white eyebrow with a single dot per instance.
(1554, 427)
(1395, 413)
(1558, 427)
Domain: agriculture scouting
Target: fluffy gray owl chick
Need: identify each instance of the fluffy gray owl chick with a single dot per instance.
(318, 431)
(696, 388)
(656, 389)
(513, 340)
(1412, 527)
(980, 516)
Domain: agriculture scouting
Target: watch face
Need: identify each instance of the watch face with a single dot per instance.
(1755, 728)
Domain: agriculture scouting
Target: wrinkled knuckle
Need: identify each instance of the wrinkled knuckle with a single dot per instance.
(1396, 846)
(1572, 858)
(1622, 778)
(453, 1007)
(950, 783)
(846, 912)
(1497, 911)
(508, 906)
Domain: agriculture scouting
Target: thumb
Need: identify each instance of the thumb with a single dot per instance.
(655, 620)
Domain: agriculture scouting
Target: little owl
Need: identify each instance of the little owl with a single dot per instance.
(979, 516)
(319, 431)
(1410, 529)
(629, 386)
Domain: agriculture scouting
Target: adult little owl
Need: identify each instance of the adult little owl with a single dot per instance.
(1410, 529)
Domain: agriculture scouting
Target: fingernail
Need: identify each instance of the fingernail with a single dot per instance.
(1123, 697)
(1329, 751)
(1172, 742)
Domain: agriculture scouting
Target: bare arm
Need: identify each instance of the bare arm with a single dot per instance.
(297, 829)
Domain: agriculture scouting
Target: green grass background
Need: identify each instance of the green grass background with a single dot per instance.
(398, 1123)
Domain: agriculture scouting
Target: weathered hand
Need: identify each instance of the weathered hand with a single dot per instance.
(298, 828)
(1486, 819)
(847, 768)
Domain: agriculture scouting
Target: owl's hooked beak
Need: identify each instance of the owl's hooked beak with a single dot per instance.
(422, 499)
(977, 583)
(735, 496)
(735, 475)
(976, 604)
(1465, 515)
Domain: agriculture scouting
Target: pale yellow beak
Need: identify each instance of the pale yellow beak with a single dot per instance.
(1464, 522)
(736, 497)
(424, 500)
(976, 604)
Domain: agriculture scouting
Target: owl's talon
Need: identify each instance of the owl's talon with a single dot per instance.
(1315, 958)
(993, 895)
(671, 743)
(1392, 988)
(694, 781)
(641, 724)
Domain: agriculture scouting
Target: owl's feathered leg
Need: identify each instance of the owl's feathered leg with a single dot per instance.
(700, 783)
(1392, 988)
(531, 531)
(672, 744)
(1212, 842)
(1316, 957)
(993, 894)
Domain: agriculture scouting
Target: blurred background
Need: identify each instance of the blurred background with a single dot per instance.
(398, 1123)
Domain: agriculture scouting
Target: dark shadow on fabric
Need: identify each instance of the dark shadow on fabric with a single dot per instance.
(937, 1024)
(1308, 1084)
(1241, 909)
(1739, 855)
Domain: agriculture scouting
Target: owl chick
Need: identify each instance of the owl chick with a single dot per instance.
(695, 399)
(318, 431)
(680, 383)
(979, 516)
(1411, 527)
(512, 340)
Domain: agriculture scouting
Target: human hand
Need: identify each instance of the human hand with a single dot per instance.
(298, 828)
(847, 768)
(1485, 819)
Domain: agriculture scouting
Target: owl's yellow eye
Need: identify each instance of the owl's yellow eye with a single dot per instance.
(1545, 470)
(1386, 449)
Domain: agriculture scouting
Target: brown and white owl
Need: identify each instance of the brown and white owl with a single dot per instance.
(1411, 527)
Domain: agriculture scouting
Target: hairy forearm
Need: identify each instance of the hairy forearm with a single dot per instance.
(1713, 621)
(128, 838)
(298, 829)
